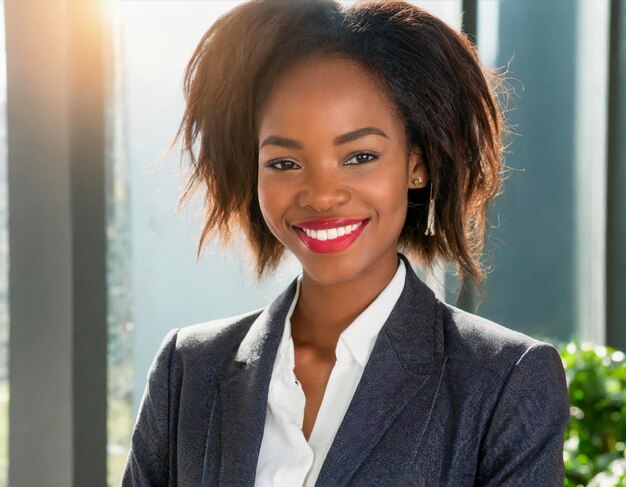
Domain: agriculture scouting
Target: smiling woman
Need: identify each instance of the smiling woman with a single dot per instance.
(348, 137)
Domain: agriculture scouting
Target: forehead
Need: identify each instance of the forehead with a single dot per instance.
(327, 94)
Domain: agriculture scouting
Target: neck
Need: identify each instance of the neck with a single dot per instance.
(324, 311)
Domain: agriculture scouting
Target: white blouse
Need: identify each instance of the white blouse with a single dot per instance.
(286, 458)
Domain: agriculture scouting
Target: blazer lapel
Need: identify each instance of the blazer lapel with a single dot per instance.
(406, 360)
(242, 400)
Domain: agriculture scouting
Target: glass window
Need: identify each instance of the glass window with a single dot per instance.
(545, 244)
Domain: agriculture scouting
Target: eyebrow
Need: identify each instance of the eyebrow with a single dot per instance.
(341, 139)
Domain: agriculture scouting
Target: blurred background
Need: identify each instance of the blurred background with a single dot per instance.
(96, 265)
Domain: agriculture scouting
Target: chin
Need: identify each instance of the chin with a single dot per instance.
(332, 268)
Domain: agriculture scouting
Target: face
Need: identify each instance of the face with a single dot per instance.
(334, 169)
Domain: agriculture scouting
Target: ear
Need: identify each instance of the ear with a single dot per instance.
(417, 169)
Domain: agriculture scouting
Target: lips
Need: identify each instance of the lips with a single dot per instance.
(336, 244)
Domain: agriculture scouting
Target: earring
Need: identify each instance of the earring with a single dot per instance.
(417, 181)
(430, 221)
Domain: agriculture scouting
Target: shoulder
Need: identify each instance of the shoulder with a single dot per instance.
(209, 344)
(514, 378)
(477, 345)
(203, 337)
(515, 386)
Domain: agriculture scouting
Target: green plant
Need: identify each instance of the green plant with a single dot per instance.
(613, 476)
(595, 438)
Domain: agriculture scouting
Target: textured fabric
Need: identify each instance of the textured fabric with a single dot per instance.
(286, 458)
(447, 398)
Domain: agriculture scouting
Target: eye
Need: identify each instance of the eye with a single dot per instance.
(282, 165)
(362, 158)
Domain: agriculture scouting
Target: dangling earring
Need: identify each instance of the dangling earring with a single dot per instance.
(430, 222)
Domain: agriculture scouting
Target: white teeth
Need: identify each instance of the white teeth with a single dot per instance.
(331, 233)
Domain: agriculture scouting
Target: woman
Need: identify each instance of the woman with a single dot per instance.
(349, 138)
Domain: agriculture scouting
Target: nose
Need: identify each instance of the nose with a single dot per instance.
(322, 191)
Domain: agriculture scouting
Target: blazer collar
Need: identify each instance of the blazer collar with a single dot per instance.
(406, 358)
(411, 326)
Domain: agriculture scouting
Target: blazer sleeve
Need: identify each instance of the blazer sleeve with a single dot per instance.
(523, 443)
(147, 464)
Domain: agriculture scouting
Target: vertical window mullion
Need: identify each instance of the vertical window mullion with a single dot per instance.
(590, 169)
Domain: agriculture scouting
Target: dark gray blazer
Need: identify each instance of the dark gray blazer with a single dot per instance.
(446, 399)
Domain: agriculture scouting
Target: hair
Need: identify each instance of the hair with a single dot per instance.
(447, 101)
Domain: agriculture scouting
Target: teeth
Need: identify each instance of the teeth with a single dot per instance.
(331, 233)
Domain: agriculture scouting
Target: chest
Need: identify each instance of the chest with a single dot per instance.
(312, 371)
(423, 431)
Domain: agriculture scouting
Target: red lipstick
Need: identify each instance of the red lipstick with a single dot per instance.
(336, 244)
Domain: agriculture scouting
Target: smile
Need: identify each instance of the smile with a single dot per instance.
(331, 233)
(333, 239)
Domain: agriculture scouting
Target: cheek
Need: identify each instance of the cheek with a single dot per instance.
(265, 203)
(271, 201)
(390, 194)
